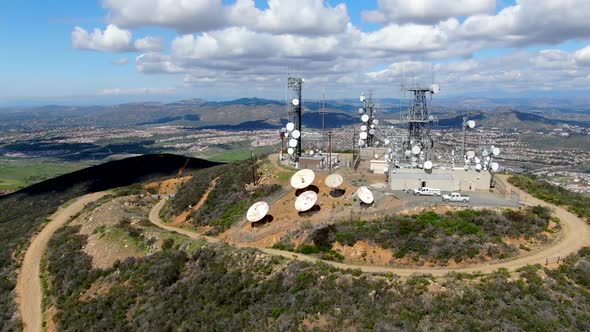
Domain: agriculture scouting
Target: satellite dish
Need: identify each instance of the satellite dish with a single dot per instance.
(376, 122)
(363, 135)
(292, 142)
(365, 195)
(471, 124)
(416, 149)
(334, 180)
(485, 153)
(435, 88)
(363, 128)
(372, 131)
(295, 101)
(478, 167)
(296, 133)
(306, 201)
(290, 151)
(495, 166)
(428, 164)
(414, 164)
(302, 179)
(311, 153)
(361, 111)
(414, 158)
(376, 156)
(466, 167)
(386, 142)
(470, 154)
(257, 211)
(290, 126)
(363, 98)
(407, 153)
(364, 118)
(496, 151)
(477, 160)
(361, 142)
(431, 118)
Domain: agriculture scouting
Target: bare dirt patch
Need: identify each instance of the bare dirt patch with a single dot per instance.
(363, 252)
(169, 186)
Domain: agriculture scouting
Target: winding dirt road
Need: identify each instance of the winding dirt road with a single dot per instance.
(28, 285)
(574, 236)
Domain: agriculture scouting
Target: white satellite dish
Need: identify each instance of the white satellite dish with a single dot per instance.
(414, 158)
(296, 133)
(485, 153)
(414, 164)
(290, 151)
(471, 124)
(295, 101)
(478, 167)
(361, 142)
(496, 151)
(372, 131)
(361, 111)
(292, 142)
(428, 164)
(363, 98)
(470, 154)
(363, 128)
(416, 149)
(431, 118)
(311, 152)
(376, 122)
(290, 126)
(376, 156)
(477, 160)
(365, 195)
(257, 211)
(495, 166)
(363, 135)
(365, 118)
(435, 88)
(302, 178)
(466, 167)
(334, 180)
(306, 201)
(407, 153)
(386, 141)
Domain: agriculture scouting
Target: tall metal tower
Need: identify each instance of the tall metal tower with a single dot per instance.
(295, 84)
(369, 106)
(419, 121)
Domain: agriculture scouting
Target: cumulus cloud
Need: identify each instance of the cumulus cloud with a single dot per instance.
(149, 44)
(427, 11)
(531, 21)
(120, 61)
(112, 39)
(582, 56)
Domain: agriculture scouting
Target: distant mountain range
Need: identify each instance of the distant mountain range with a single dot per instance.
(259, 113)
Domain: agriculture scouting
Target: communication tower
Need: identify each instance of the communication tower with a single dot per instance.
(295, 107)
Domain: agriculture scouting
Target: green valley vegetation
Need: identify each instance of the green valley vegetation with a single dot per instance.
(24, 212)
(226, 289)
(460, 235)
(229, 199)
(575, 202)
(18, 173)
(550, 142)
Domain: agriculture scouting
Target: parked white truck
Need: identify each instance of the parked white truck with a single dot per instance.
(425, 191)
(455, 197)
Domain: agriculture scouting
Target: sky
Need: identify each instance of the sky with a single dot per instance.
(71, 51)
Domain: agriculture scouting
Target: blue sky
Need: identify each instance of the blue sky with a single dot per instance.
(226, 49)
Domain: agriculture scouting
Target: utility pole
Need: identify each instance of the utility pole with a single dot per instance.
(323, 121)
(330, 152)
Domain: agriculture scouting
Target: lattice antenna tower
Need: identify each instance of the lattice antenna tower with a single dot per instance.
(295, 85)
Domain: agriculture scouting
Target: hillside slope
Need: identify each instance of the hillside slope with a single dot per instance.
(22, 213)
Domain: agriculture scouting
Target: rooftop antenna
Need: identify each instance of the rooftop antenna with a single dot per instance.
(323, 111)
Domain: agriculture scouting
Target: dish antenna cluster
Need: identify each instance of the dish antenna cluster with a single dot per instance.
(368, 120)
(293, 128)
(418, 145)
(257, 211)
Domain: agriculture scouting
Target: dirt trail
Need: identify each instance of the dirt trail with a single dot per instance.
(575, 235)
(28, 286)
(182, 217)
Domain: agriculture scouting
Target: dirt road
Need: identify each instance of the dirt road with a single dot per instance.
(28, 286)
(575, 235)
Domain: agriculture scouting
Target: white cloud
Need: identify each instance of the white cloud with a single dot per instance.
(136, 91)
(182, 15)
(582, 56)
(427, 11)
(532, 21)
(120, 61)
(112, 39)
(149, 44)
